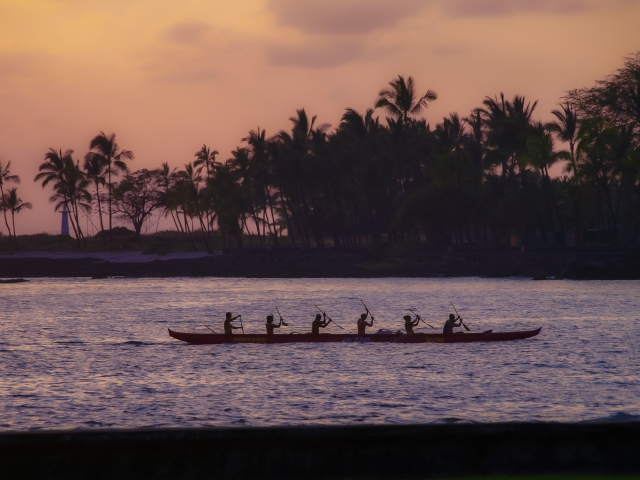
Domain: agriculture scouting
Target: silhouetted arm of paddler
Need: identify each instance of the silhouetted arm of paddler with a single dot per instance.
(450, 324)
(319, 323)
(228, 327)
(362, 324)
(271, 326)
(409, 324)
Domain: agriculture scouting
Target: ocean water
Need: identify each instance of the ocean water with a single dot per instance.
(79, 353)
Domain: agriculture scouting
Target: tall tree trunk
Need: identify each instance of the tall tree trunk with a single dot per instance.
(110, 202)
(104, 238)
(186, 224)
(286, 214)
(255, 220)
(73, 223)
(4, 212)
(13, 223)
(174, 221)
(273, 217)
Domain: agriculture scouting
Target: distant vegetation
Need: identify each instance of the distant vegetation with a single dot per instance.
(483, 179)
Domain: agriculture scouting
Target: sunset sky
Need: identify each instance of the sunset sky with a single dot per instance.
(168, 76)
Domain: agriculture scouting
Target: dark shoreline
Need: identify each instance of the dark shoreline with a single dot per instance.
(381, 451)
(421, 262)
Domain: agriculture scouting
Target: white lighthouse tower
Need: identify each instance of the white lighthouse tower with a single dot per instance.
(64, 229)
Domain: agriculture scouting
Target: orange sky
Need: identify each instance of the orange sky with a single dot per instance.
(168, 76)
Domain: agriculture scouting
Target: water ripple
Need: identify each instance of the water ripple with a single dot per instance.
(78, 354)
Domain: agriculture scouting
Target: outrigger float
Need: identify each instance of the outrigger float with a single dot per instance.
(380, 337)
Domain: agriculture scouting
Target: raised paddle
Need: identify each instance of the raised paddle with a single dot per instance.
(420, 318)
(365, 307)
(330, 319)
(281, 320)
(461, 321)
(210, 329)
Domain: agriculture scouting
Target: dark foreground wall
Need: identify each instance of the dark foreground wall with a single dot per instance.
(424, 451)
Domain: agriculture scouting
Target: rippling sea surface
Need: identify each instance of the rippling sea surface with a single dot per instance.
(81, 353)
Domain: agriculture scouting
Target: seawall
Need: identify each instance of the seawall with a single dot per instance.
(394, 452)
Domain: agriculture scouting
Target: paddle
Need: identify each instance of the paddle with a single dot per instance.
(330, 319)
(365, 307)
(420, 318)
(281, 320)
(461, 321)
(241, 326)
(210, 329)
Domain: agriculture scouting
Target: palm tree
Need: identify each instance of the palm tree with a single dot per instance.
(166, 181)
(540, 155)
(400, 100)
(69, 185)
(598, 140)
(94, 168)
(262, 177)
(6, 177)
(197, 199)
(114, 162)
(206, 157)
(565, 128)
(13, 203)
(76, 185)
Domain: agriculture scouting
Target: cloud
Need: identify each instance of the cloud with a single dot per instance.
(365, 16)
(192, 52)
(476, 8)
(343, 16)
(187, 33)
(464, 8)
(17, 64)
(317, 54)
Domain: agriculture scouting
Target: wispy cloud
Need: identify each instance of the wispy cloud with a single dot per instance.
(343, 16)
(17, 64)
(497, 8)
(315, 54)
(187, 33)
(193, 52)
(510, 7)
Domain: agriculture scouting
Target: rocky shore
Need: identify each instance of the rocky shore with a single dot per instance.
(540, 263)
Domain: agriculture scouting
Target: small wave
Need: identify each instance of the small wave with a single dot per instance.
(450, 420)
(134, 342)
(618, 417)
(70, 342)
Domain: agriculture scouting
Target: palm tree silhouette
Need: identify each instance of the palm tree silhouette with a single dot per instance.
(94, 168)
(166, 181)
(206, 157)
(6, 177)
(262, 177)
(540, 154)
(13, 203)
(400, 100)
(69, 186)
(604, 146)
(109, 154)
(565, 128)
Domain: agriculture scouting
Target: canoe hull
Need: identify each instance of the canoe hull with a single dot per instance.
(216, 339)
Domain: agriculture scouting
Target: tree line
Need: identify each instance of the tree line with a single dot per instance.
(482, 179)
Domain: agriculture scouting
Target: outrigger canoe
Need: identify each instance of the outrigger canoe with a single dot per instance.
(488, 336)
